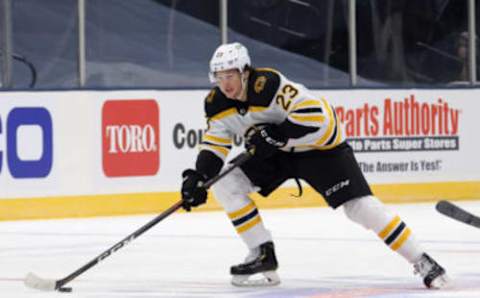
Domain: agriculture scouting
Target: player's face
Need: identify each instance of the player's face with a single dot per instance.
(230, 82)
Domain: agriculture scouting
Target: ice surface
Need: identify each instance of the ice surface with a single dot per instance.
(321, 254)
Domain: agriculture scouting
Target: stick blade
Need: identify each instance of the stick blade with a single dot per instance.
(35, 282)
(445, 207)
(453, 211)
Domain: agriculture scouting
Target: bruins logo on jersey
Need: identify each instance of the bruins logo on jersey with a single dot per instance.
(260, 84)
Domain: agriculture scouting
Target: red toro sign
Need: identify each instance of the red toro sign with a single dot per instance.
(130, 138)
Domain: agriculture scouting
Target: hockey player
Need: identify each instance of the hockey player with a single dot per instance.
(291, 134)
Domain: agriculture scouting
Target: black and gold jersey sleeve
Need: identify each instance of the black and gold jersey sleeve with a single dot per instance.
(216, 102)
(318, 115)
(217, 139)
(263, 84)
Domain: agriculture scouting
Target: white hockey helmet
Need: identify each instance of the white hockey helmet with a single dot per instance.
(229, 56)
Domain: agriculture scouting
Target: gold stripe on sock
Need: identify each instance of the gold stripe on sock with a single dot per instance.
(397, 244)
(389, 228)
(242, 211)
(250, 224)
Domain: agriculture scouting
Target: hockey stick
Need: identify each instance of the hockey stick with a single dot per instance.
(34, 281)
(453, 211)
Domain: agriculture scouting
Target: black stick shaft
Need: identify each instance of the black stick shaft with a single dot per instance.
(119, 245)
(239, 160)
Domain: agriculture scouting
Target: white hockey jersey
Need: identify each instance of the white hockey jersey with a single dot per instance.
(310, 122)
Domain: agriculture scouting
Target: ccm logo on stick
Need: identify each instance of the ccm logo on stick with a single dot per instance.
(29, 142)
(130, 138)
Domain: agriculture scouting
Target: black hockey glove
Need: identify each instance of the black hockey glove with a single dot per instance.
(264, 141)
(193, 192)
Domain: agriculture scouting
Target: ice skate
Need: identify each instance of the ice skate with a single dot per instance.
(258, 270)
(434, 276)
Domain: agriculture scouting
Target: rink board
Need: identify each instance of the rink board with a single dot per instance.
(91, 153)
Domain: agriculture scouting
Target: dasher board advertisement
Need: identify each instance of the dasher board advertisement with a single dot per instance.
(411, 135)
(123, 151)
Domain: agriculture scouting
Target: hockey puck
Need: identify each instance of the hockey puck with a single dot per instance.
(65, 289)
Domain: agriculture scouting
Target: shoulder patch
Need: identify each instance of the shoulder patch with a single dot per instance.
(259, 84)
(216, 102)
(263, 85)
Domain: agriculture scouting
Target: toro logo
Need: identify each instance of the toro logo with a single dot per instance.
(130, 138)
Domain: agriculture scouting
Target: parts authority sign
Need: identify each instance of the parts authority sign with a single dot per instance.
(402, 125)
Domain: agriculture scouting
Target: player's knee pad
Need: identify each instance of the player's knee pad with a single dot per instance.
(231, 191)
(368, 211)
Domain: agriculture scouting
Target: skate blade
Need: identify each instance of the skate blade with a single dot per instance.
(263, 279)
(441, 282)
